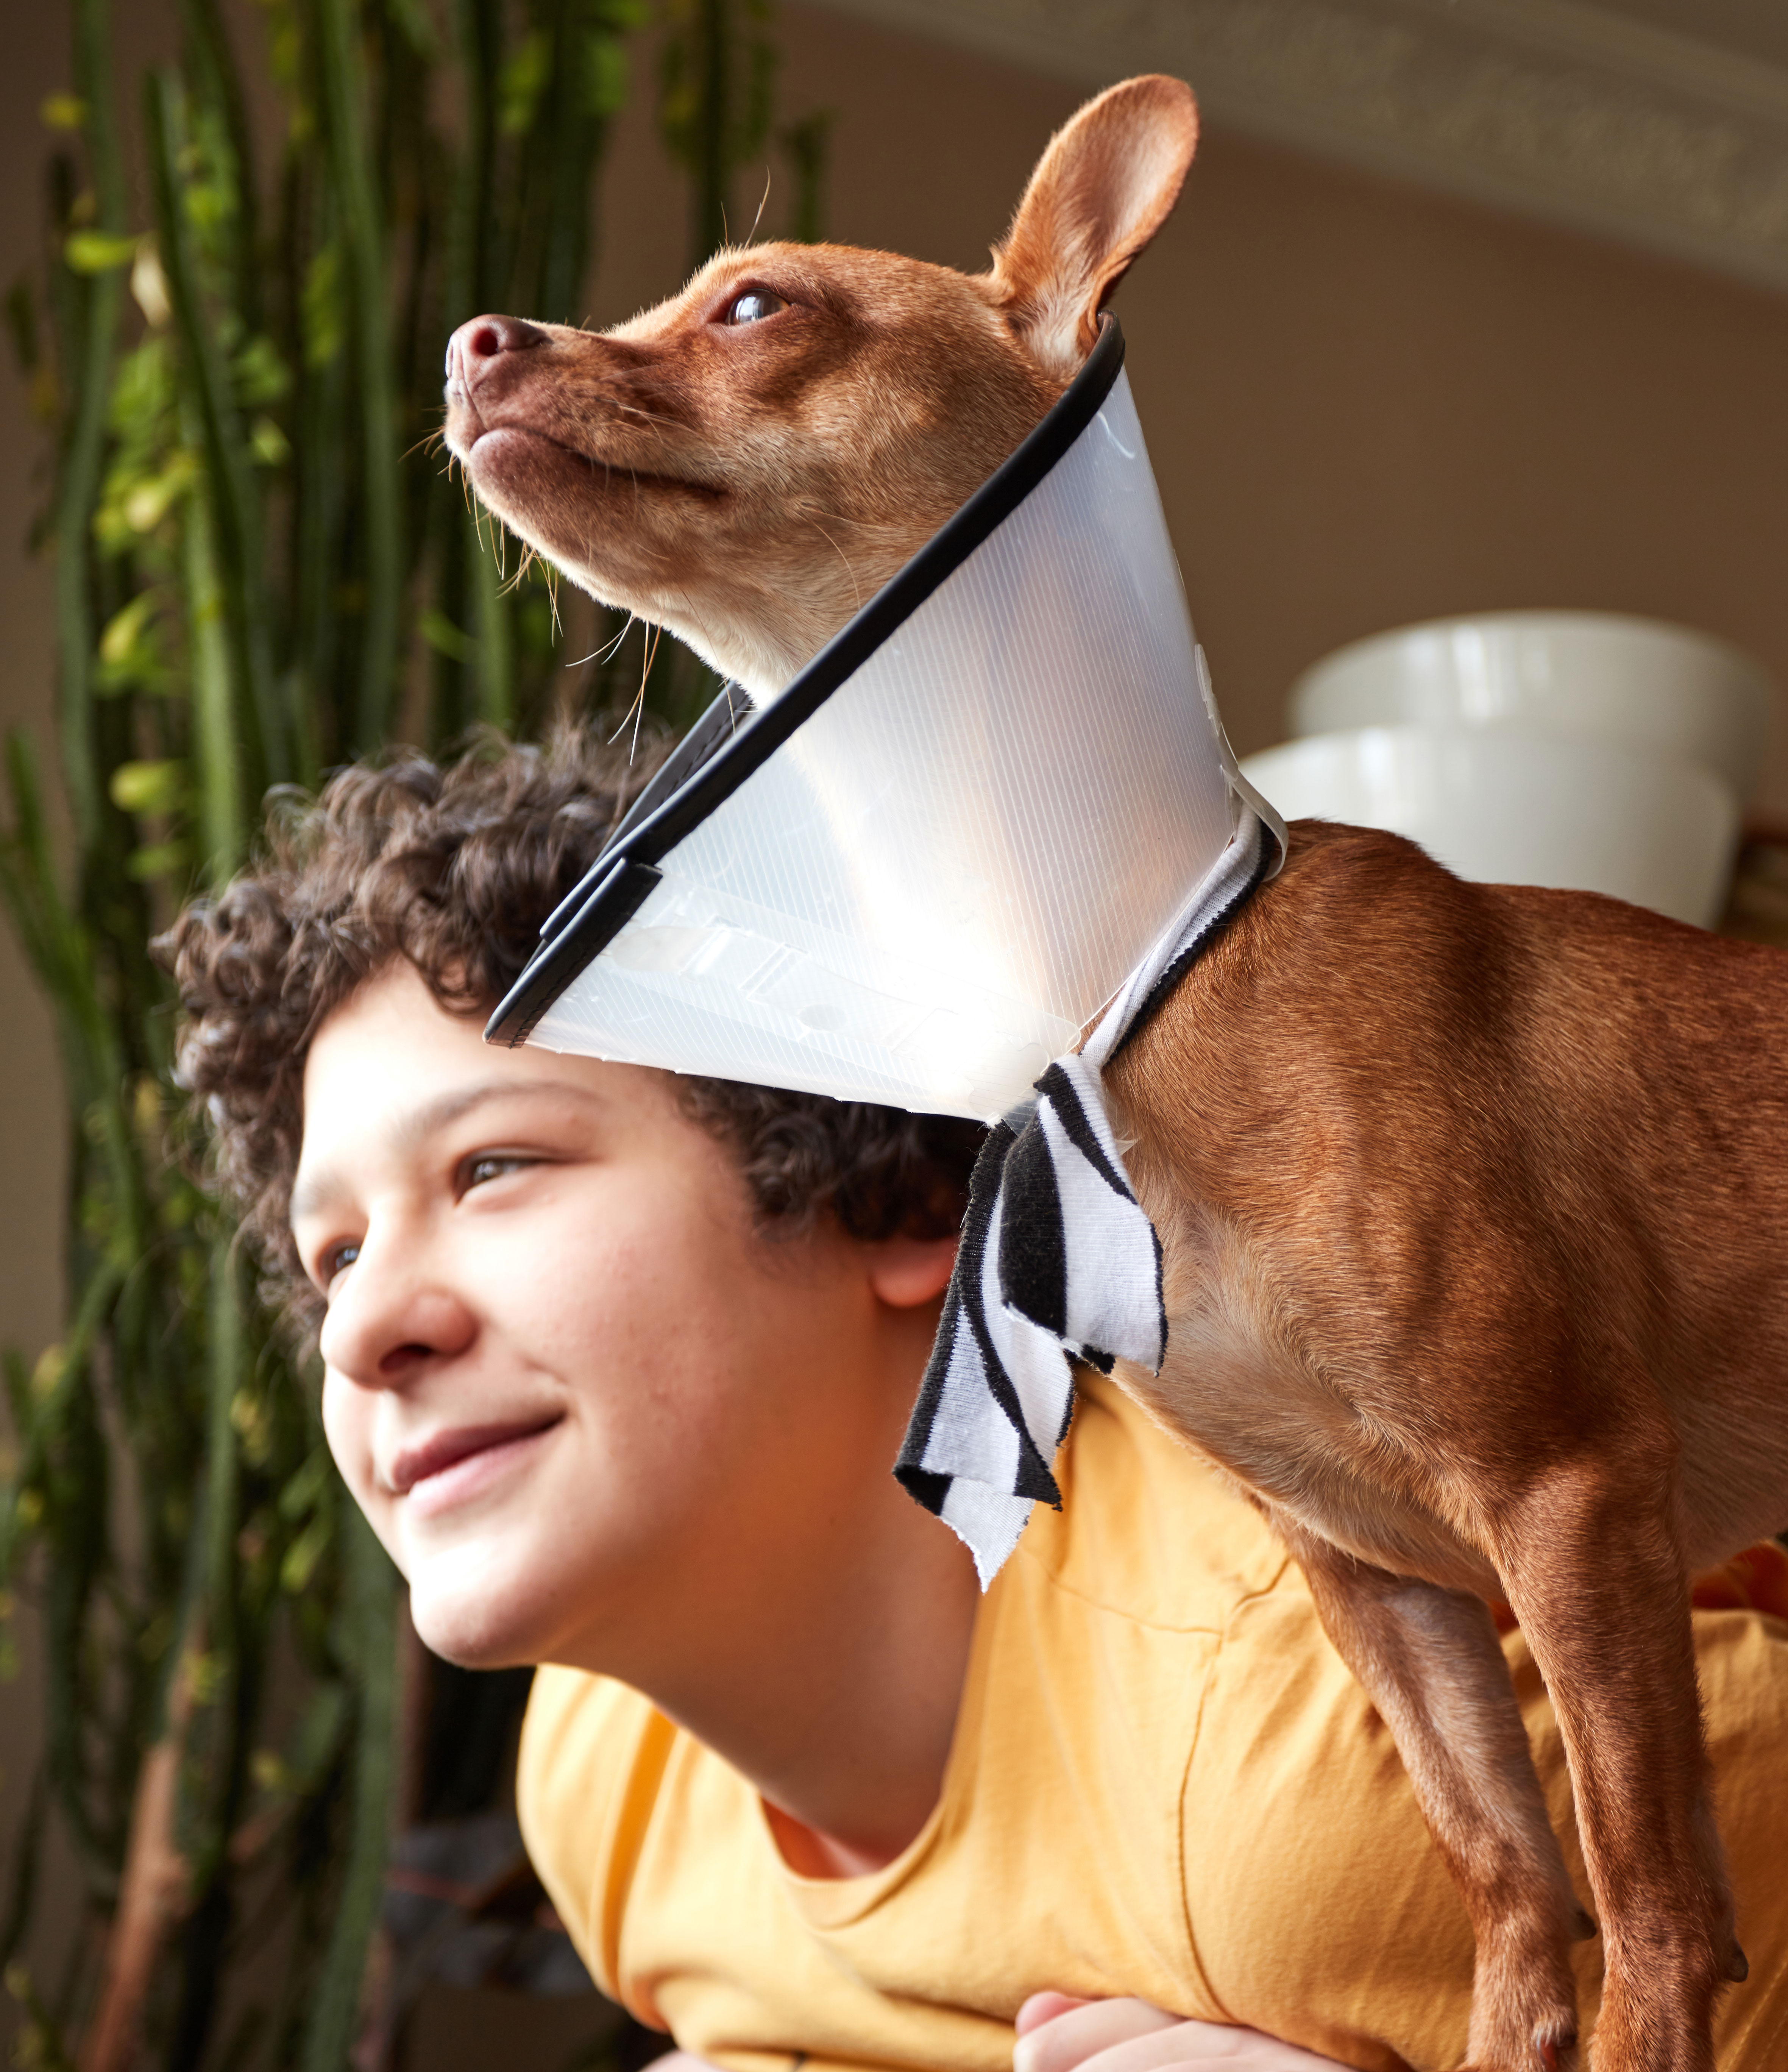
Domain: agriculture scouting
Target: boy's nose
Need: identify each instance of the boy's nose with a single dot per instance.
(390, 1319)
(476, 347)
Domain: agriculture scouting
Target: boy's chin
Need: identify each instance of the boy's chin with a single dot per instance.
(469, 1641)
(474, 1623)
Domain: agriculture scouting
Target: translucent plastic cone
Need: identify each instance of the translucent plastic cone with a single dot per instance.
(920, 872)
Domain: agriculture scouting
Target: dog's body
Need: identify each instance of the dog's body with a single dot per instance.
(1474, 1199)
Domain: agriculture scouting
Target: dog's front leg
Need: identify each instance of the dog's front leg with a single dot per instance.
(1429, 1660)
(1595, 1575)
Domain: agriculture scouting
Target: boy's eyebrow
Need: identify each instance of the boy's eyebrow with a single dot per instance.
(313, 1192)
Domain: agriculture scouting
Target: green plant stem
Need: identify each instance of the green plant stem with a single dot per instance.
(211, 58)
(216, 754)
(809, 145)
(75, 1469)
(382, 511)
(78, 480)
(61, 949)
(24, 1875)
(320, 491)
(494, 670)
(371, 1610)
(222, 1479)
(712, 166)
(472, 282)
(231, 476)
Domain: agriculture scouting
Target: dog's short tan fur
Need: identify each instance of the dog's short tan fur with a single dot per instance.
(1474, 1199)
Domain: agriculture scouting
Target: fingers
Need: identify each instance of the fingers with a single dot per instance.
(1059, 2033)
(1185, 2044)
(1080, 2029)
(1044, 2007)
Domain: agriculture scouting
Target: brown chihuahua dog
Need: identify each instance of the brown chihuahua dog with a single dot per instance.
(1474, 1199)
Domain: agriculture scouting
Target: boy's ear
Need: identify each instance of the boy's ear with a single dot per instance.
(1100, 191)
(904, 1272)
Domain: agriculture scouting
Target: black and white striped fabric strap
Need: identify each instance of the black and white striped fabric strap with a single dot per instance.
(1057, 1261)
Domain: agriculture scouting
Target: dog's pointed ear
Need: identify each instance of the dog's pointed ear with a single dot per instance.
(1099, 193)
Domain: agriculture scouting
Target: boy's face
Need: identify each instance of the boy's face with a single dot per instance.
(565, 1378)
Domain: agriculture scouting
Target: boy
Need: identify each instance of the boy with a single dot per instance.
(617, 1364)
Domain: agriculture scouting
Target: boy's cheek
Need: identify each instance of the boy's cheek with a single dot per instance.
(347, 1426)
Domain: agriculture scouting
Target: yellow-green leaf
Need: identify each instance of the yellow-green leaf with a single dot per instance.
(261, 374)
(302, 1556)
(63, 111)
(521, 82)
(268, 443)
(98, 251)
(301, 1492)
(325, 311)
(48, 1374)
(268, 1771)
(605, 75)
(146, 788)
(123, 632)
(158, 859)
(148, 503)
(205, 1674)
(443, 636)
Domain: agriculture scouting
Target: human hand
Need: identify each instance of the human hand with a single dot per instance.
(1056, 2033)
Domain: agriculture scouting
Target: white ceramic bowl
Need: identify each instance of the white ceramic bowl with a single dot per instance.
(1524, 808)
(1572, 673)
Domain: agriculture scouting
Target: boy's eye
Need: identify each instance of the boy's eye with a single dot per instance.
(336, 1260)
(753, 306)
(491, 1166)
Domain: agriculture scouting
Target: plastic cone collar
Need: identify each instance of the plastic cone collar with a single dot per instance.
(918, 873)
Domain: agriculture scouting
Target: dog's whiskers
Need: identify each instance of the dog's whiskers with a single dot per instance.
(752, 237)
(857, 588)
(639, 410)
(600, 655)
(636, 711)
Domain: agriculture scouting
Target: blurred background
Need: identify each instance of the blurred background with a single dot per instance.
(1470, 307)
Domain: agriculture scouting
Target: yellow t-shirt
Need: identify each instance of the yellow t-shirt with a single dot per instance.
(1163, 1782)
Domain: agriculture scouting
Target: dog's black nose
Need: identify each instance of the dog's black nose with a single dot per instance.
(475, 344)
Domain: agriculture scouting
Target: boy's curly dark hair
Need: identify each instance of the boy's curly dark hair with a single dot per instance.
(454, 867)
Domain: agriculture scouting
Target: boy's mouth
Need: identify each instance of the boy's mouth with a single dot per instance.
(438, 1471)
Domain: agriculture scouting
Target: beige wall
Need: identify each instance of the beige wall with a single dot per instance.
(1365, 406)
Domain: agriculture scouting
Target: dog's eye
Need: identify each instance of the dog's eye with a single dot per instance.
(753, 306)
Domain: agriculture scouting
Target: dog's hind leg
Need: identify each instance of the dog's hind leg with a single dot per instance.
(1430, 1661)
(1595, 1573)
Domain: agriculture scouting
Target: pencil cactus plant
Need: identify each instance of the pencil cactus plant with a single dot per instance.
(257, 575)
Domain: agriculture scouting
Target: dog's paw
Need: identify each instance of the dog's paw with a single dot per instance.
(1556, 2051)
(1523, 2002)
(1551, 2053)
